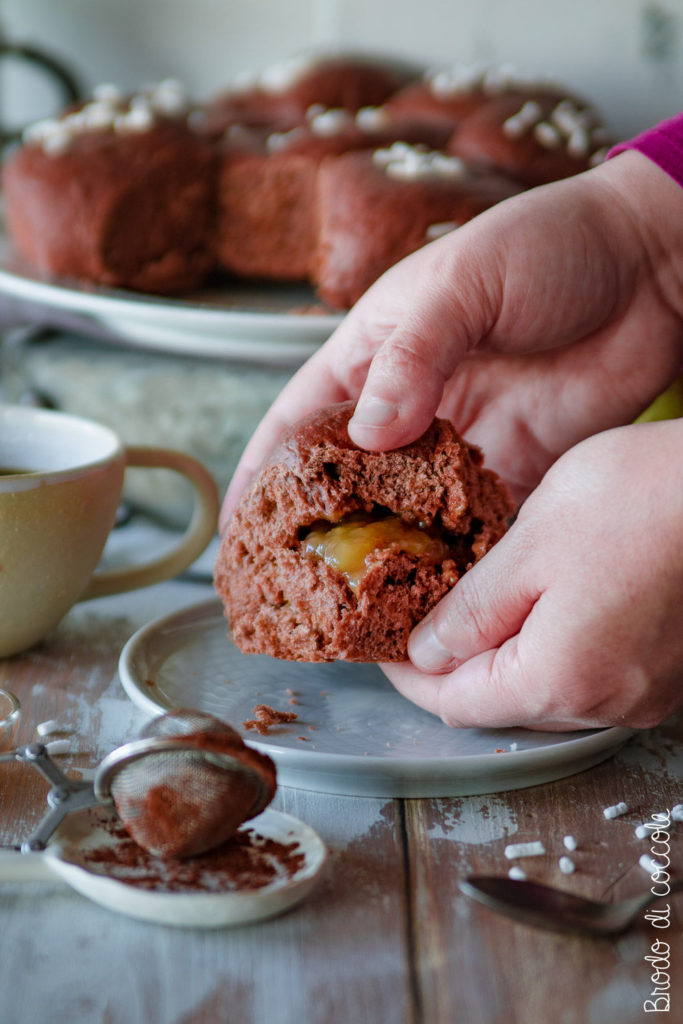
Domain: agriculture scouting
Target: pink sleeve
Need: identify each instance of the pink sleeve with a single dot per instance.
(663, 144)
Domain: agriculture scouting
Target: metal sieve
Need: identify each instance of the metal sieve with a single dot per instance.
(174, 789)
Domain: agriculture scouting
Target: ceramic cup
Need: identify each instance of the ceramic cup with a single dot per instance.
(61, 479)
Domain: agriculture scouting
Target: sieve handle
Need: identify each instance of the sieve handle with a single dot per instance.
(25, 867)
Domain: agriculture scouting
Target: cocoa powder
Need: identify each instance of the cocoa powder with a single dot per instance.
(247, 861)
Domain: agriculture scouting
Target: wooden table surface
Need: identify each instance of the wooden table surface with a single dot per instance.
(385, 938)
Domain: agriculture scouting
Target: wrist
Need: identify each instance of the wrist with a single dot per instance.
(648, 200)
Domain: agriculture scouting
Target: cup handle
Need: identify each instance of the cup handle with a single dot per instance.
(199, 532)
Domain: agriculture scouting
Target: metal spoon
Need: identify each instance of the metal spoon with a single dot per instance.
(556, 910)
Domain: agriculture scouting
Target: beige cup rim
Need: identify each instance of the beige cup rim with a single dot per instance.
(105, 444)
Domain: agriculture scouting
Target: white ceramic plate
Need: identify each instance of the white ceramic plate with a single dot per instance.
(354, 734)
(213, 906)
(280, 325)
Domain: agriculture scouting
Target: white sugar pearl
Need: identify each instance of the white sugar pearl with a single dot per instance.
(331, 122)
(409, 163)
(57, 142)
(567, 866)
(280, 140)
(47, 728)
(438, 230)
(649, 864)
(565, 117)
(578, 143)
(40, 130)
(534, 849)
(169, 97)
(569, 842)
(283, 75)
(514, 127)
(517, 873)
(394, 152)
(58, 747)
(598, 157)
(108, 93)
(615, 811)
(97, 115)
(141, 103)
(547, 135)
(442, 85)
(139, 119)
(447, 166)
(448, 82)
(677, 813)
(171, 85)
(530, 113)
(370, 118)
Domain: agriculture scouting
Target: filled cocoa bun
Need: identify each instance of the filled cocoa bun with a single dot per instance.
(336, 552)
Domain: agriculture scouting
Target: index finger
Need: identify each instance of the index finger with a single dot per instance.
(335, 373)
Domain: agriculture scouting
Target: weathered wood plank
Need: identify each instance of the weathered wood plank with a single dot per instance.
(340, 956)
(478, 967)
(358, 949)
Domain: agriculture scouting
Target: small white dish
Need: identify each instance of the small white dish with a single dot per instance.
(354, 734)
(69, 857)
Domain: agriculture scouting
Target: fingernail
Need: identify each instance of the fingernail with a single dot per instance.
(374, 412)
(426, 650)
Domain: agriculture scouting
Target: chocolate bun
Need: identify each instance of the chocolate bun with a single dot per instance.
(376, 208)
(448, 95)
(281, 96)
(267, 187)
(120, 192)
(271, 180)
(534, 140)
(336, 552)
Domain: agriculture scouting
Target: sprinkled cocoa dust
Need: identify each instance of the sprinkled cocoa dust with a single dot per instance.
(247, 861)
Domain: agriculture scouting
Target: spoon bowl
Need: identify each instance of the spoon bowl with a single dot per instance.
(557, 910)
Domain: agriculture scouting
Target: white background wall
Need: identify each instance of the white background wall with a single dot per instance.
(625, 55)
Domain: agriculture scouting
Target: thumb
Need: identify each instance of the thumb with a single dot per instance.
(487, 606)
(403, 390)
(443, 311)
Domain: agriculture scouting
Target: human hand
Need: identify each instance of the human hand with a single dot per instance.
(554, 315)
(574, 619)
